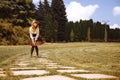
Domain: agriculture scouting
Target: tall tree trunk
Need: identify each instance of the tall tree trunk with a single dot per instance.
(88, 34)
(105, 35)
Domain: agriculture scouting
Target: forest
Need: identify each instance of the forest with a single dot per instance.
(16, 17)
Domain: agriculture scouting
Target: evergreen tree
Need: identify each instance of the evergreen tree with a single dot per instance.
(88, 34)
(6, 7)
(59, 14)
(77, 31)
(72, 36)
(47, 14)
(47, 8)
(50, 24)
(68, 29)
(18, 12)
(40, 15)
(90, 24)
(23, 12)
(83, 30)
(50, 29)
(105, 35)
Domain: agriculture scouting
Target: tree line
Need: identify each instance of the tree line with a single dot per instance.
(16, 17)
(87, 30)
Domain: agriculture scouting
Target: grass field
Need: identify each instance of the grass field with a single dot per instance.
(97, 57)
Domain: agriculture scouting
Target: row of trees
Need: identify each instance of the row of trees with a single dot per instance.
(57, 28)
(54, 26)
(10, 35)
(53, 19)
(88, 30)
(17, 12)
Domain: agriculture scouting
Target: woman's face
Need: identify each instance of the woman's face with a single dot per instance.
(35, 24)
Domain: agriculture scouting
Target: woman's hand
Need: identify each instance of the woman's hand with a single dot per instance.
(34, 43)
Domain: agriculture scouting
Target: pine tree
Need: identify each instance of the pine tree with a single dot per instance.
(6, 7)
(47, 8)
(50, 24)
(89, 34)
(50, 29)
(22, 12)
(72, 36)
(40, 15)
(105, 35)
(59, 14)
(18, 12)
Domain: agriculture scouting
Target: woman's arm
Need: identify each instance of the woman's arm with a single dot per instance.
(37, 35)
(30, 31)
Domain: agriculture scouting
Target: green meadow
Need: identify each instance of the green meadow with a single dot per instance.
(96, 57)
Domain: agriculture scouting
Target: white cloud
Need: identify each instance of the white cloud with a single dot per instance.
(116, 11)
(75, 11)
(36, 2)
(115, 26)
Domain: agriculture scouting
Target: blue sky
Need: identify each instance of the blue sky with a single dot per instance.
(105, 11)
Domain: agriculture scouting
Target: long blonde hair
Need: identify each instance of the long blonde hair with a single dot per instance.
(34, 27)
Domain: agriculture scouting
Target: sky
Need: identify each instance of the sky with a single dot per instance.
(104, 11)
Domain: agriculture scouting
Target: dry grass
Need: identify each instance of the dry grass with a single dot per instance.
(96, 57)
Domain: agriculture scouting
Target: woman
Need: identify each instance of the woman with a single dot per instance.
(34, 36)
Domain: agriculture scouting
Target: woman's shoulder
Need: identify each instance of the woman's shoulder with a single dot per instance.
(30, 28)
(38, 28)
